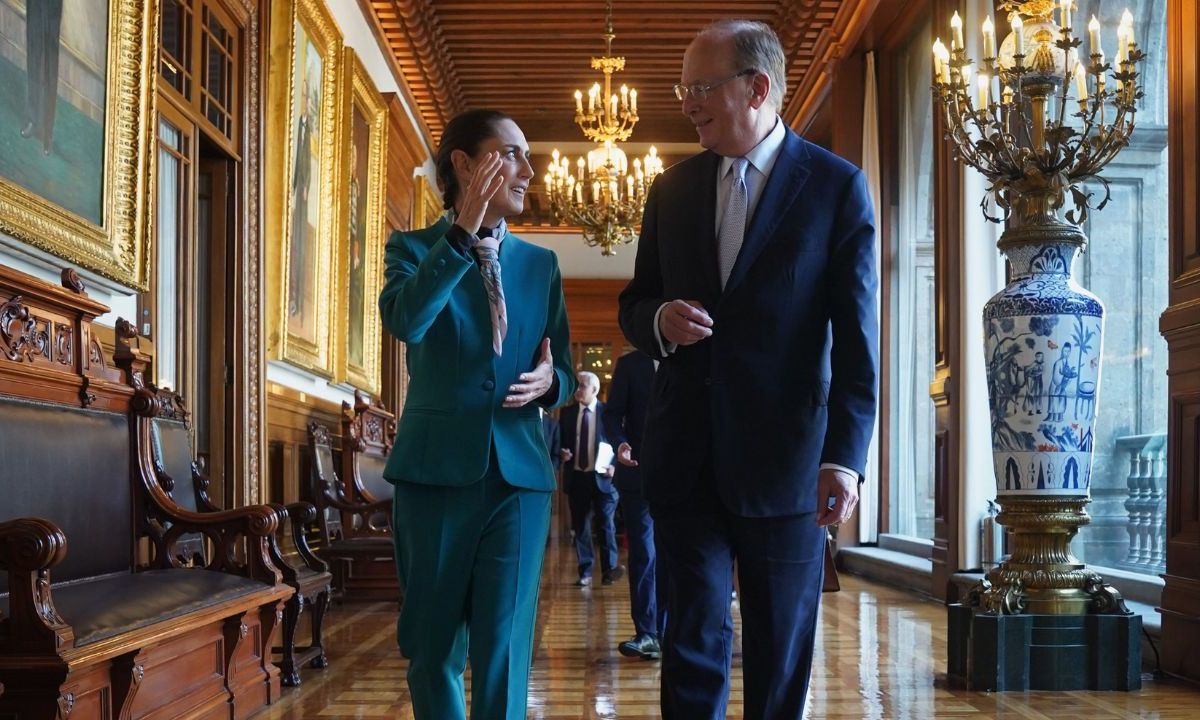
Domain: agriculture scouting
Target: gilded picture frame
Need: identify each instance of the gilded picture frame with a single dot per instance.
(427, 205)
(302, 183)
(363, 188)
(85, 85)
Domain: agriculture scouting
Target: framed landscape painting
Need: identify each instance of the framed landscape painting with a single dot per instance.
(76, 100)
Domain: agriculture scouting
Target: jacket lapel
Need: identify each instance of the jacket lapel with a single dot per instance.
(787, 177)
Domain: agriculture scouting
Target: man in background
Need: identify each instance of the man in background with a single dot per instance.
(587, 479)
(624, 421)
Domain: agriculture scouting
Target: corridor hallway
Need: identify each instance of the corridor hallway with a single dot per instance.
(880, 655)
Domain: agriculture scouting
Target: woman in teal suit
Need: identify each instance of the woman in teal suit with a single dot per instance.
(483, 316)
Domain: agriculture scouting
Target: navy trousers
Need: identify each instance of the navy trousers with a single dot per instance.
(587, 500)
(779, 566)
(647, 571)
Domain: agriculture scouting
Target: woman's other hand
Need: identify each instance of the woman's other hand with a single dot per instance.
(534, 383)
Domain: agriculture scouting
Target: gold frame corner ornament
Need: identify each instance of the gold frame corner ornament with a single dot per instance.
(318, 24)
(119, 247)
(360, 91)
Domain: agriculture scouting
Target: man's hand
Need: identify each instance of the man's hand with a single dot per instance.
(684, 322)
(565, 454)
(837, 494)
(625, 455)
(609, 471)
(532, 384)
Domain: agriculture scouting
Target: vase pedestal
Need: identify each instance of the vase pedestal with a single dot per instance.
(993, 652)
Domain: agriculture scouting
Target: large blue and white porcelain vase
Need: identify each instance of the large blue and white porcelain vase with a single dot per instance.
(1042, 343)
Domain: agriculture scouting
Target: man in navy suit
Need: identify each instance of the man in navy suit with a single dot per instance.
(624, 422)
(755, 285)
(587, 480)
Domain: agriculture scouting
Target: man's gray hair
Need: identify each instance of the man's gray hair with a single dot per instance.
(592, 378)
(755, 45)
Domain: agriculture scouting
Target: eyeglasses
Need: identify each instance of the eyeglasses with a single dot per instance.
(700, 91)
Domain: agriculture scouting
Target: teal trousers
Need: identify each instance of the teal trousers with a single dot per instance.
(469, 560)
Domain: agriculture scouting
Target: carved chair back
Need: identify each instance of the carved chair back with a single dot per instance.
(325, 486)
(175, 471)
(71, 467)
(368, 431)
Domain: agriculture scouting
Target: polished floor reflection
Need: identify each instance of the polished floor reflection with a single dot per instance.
(880, 654)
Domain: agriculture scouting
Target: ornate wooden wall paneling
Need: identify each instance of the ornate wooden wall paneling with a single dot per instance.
(834, 41)
(48, 348)
(1180, 325)
(947, 548)
(288, 414)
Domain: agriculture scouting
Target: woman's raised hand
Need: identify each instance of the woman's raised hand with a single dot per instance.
(485, 183)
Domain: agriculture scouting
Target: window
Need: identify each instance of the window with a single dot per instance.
(1125, 265)
(911, 302)
(174, 181)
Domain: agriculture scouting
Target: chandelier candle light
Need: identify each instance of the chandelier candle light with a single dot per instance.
(602, 195)
(1040, 122)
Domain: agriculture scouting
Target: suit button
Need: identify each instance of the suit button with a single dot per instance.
(489, 385)
(441, 263)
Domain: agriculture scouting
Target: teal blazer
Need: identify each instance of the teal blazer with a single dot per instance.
(433, 299)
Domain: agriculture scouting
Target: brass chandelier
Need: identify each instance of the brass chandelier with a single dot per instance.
(602, 194)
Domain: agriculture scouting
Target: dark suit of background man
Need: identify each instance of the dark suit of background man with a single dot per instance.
(590, 491)
(553, 439)
(755, 283)
(624, 422)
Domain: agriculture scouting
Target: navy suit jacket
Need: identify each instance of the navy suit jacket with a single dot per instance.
(788, 379)
(567, 419)
(625, 411)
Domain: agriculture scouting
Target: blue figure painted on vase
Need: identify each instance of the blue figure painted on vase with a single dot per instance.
(1043, 336)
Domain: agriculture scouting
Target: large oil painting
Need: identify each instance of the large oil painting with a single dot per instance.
(302, 182)
(364, 152)
(75, 98)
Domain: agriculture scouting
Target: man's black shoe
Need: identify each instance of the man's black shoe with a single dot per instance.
(641, 646)
(613, 575)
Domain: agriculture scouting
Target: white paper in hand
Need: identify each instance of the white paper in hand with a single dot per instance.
(604, 457)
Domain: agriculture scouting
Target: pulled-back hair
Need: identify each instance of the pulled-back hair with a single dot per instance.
(466, 131)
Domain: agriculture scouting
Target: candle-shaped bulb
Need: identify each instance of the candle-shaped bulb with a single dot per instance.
(578, 102)
(633, 101)
(985, 91)
(989, 38)
(956, 35)
(1065, 8)
(1006, 97)
(1094, 36)
(613, 102)
(1018, 29)
(1081, 91)
(943, 56)
(554, 154)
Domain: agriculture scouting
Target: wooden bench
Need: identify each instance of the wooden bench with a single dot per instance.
(354, 531)
(86, 630)
(164, 448)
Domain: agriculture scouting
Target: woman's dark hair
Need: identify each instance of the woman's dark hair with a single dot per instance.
(464, 132)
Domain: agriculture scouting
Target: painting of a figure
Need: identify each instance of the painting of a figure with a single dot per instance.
(53, 74)
(360, 132)
(305, 188)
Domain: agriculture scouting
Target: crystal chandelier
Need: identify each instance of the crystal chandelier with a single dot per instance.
(602, 194)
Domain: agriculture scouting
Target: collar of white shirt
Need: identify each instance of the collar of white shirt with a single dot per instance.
(590, 406)
(762, 156)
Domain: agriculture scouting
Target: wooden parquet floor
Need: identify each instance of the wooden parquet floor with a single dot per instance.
(880, 655)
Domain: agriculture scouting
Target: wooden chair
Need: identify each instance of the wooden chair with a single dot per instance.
(161, 419)
(358, 548)
(85, 630)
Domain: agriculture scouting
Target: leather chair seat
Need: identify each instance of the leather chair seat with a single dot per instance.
(111, 605)
(362, 544)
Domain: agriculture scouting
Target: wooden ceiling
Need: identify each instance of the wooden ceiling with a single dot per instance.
(527, 57)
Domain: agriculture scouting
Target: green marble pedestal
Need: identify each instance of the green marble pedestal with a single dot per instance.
(1043, 652)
